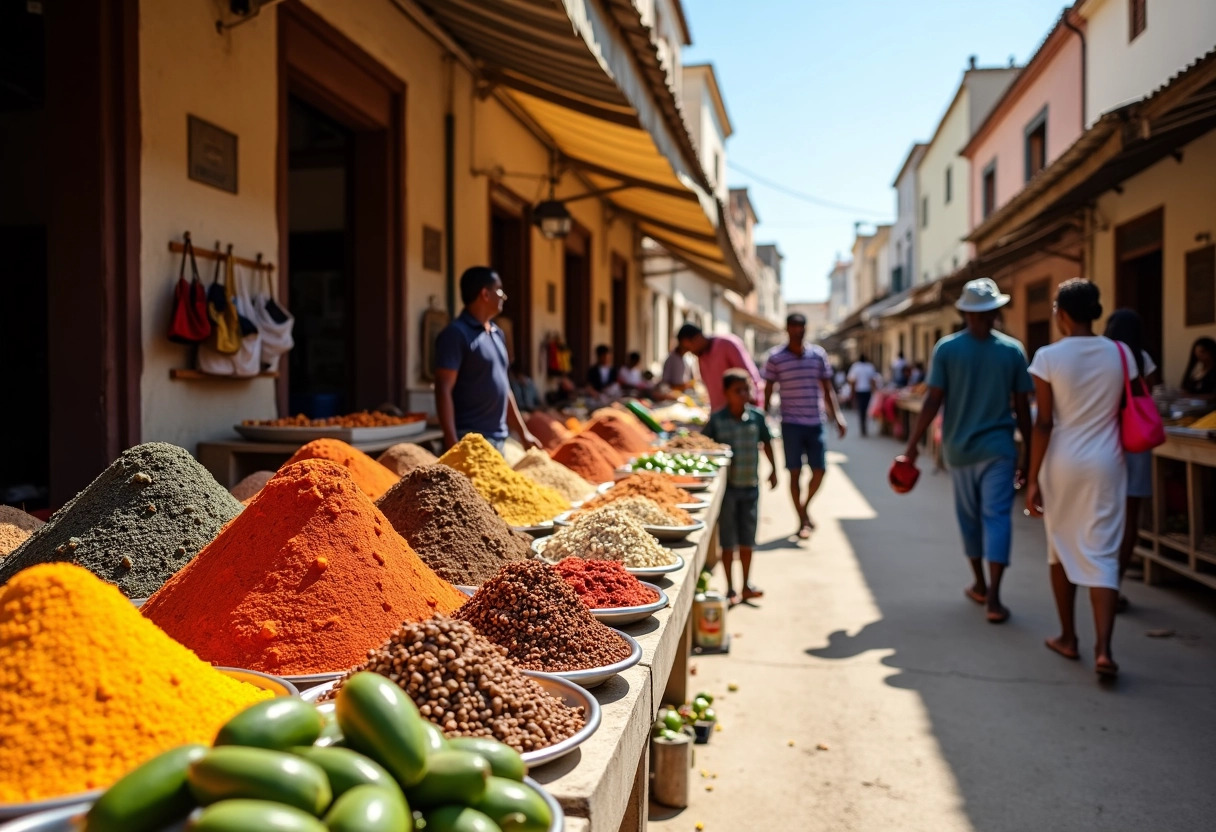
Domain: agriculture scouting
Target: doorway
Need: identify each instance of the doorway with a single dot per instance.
(320, 376)
(340, 230)
(577, 269)
(620, 309)
(510, 256)
(1139, 279)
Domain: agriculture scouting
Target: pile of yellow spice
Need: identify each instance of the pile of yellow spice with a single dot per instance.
(519, 500)
(89, 688)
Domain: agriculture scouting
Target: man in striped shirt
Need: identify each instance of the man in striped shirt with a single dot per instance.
(802, 373)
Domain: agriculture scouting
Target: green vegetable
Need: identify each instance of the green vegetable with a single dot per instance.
(149, 798)
(247, 815)
(644, 414)
(700, 704)
(451, 777)
(231, 772)
(436, 741)
(331, 733)
(276, 724)
(673, 721)
(670, 735)
(370, 809)
(379, 720)
(459, 819)
(710, 715)
(679, 463)
(503, 759)
(515, 807)
(708, 697)
(346, 769)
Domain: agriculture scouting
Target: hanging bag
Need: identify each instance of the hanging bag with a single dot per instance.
(273, 321)
(248, 360)
(189, 323)
(225, 326)
(1140, 424)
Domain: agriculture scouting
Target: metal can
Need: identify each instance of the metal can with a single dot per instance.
(709, 616)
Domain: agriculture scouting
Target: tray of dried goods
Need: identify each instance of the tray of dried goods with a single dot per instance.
(355, 427)
(641, 571)
(696, 504)
(593, 677)
(621, 616)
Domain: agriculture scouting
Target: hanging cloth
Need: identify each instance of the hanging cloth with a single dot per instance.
(274, 322)
(248, 359)
(189, 324)
(225, 324)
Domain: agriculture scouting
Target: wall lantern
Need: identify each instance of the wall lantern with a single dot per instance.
(553, 218)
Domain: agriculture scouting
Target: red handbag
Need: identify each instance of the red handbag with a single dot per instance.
(1140, 424)
(190, 323)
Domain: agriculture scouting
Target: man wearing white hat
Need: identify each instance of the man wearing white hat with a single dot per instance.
(980, 375)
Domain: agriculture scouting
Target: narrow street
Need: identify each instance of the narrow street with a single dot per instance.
(873, 696)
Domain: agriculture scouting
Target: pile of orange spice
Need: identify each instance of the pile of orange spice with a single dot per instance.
(306, 580)
(372, 477)
(618, 433)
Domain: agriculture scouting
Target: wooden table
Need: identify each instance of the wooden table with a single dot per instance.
(603, 785)
(230, 461)
(1190, 552)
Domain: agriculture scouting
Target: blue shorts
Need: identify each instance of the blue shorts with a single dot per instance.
(803, 442)
(737, 522)
(983, 500)
(1139, 474)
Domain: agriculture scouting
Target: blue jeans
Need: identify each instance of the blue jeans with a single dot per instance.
(983, 500)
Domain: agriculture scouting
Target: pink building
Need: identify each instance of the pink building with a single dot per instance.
(1037, 119)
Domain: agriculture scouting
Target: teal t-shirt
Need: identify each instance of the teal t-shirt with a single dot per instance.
(979, 379)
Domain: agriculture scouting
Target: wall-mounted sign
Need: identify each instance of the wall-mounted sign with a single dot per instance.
(432, 249)
(211, 154)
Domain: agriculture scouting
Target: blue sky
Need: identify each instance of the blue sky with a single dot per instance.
(826, 96)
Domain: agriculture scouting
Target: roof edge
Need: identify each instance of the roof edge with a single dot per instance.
(715, 92)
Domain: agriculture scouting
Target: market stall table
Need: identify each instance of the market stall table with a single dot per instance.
(1188, 549)
(603, 786)
(231, 460)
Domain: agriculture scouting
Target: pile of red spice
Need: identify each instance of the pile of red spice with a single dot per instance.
(307, 579)
(605, 584)
(618, 433)
(590, 457)
(548, 430)
(372, 477)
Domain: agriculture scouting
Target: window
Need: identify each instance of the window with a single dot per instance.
(1036, 144)
(989, 181)
(924, 212)
(717, 167)
(1137, 18)
(949, 185)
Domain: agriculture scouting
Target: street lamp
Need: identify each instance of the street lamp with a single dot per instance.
(552, 218)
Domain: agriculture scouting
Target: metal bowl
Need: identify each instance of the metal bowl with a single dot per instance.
(699, 505)
(568, 692)
(55, 805)
(539, 530)
(669, 534)
(621, 616)
(304, 681)
(593, 677)
(555, 808)
(538, 546)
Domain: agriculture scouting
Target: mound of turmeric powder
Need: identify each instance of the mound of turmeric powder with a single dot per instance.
(89, 688)
(519, 500)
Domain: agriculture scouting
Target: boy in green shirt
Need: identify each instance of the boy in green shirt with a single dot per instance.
(741, 426)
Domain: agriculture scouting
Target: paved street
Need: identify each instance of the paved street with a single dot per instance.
(873, 696)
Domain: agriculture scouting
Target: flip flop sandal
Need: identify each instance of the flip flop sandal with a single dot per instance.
(975, 596)
(1106, 670)
(751, 593)
(1074, 656)
(998, 617)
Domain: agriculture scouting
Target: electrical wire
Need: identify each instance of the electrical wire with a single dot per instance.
(805, 197)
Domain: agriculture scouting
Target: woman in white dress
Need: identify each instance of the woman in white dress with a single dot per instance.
(1078, 478)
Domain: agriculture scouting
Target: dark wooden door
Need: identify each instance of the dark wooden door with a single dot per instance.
(577, 267)
(620, 309)
(1139, 279)
(510, 256)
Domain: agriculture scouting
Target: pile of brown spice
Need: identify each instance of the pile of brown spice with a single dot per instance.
(451, 527)
(466, 685)
(645, 484)
(405, 457)
(590, 457)
(247, 489)
(541, 468)
(618, 411)
(529, 609)
(15, 527)
(548, 431)
(621, 435)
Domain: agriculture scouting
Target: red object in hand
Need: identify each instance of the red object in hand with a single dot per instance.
(903, 475)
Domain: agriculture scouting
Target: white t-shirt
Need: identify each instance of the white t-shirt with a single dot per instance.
(629, 376)
(861, 376)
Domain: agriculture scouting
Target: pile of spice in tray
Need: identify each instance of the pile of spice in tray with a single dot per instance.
(247, 489)
(519, 500)
(405, 457)
(608, 534)
(619, 433)
(657, 487)
(466, 685)
(15, 528)
(372, 477)
(306, 580)
(548, 431)
(693, 442)
(451, 527)
(646, 511)
(604, 584)
(539, 467)
(590, 457)
(137, 524)
(531, 611)
(91, 689)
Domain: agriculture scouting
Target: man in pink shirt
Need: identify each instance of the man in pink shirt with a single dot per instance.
(715, 355)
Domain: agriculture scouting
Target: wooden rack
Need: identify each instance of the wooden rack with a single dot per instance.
(217, 254)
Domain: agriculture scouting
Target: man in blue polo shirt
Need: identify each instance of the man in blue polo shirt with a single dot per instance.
(472, 388)
(802, 373)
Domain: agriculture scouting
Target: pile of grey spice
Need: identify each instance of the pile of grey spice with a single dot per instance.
(451, 527)
(137, 524)
(468, 687)
(529, 609)
(541, 468)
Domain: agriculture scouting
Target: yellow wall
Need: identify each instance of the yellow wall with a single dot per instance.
(1185, 190)
(231, 81)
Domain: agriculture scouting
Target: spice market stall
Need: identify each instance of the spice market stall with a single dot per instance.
(1181, 533)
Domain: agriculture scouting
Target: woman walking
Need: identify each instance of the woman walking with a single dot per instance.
(1078, 479)
(1124, 325)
